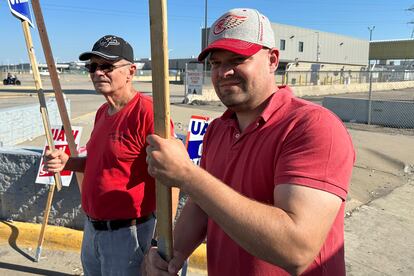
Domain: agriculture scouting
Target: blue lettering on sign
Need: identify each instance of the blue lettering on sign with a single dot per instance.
(21, 9)
(198, 127)
(194, 149)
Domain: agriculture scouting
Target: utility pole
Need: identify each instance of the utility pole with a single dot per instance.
(412, 32)
(371, 29)
(412, 21)
(317, 47)
(205, 40)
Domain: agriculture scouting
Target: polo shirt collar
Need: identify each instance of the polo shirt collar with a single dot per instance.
(276, 101)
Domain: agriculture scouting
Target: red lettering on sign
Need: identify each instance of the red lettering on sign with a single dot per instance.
(75, 133)
(61, 136)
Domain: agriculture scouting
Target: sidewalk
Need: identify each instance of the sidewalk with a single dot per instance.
(379, 236)
(60, 251)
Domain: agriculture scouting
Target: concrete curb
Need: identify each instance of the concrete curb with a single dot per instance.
(27, 234)
(66, 239)
(17, 87)
(198, 260)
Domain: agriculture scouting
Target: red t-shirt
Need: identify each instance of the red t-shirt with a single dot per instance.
(293, 141)
(116, 183)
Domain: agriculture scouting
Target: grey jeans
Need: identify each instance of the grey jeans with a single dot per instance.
(118, 252)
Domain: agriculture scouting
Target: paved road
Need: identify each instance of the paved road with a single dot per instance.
(16, 260)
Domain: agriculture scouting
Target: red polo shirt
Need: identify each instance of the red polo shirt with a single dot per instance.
(293, 141)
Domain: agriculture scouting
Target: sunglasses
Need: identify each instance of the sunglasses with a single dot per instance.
(105, 67)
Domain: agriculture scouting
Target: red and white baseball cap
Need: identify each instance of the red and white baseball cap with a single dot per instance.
(242, 31)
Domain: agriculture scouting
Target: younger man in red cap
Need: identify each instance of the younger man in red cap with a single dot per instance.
(271, 190)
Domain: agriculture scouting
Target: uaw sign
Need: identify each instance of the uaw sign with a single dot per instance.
(194, 142)
(59, 139)
(21, 9)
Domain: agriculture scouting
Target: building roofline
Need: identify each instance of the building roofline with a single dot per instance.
(393, 40)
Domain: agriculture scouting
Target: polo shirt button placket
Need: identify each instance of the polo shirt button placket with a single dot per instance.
(237, 135)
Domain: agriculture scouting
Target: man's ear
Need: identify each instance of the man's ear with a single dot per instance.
(274, 59)
(132, 71)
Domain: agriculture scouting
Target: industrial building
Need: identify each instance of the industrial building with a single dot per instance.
(304, 49)
(384, 52)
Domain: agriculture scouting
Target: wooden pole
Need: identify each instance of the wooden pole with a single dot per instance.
(55, 83)
(41, 95)
(161, 95)
(44, 224)
(48, 132)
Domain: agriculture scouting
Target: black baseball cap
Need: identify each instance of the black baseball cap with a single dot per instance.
(110, 47)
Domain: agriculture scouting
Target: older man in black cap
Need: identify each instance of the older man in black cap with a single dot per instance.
(118, 194)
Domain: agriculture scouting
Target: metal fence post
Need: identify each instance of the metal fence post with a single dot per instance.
(370, 96)
(370, 76)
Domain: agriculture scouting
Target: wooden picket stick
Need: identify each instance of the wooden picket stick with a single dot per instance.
(62, 111)
(41, 95)
(44, 224)
(47, 50)
(161, 96)
(48, 132)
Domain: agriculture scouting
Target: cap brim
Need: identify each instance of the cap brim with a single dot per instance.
(236, 46)
(88, 55)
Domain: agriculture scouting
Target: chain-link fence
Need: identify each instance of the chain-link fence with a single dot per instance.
(305, 78)
(390, 103)
(390, 108)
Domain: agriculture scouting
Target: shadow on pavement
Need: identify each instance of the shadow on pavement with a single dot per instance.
(12, 241)
(38, 271)
(65, 91)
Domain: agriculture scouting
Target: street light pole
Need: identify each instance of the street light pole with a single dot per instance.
(371, 29)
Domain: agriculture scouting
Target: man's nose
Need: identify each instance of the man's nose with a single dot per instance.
(98, 72)
(226, 70)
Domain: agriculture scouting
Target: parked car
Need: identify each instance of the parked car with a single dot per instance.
(11, 80)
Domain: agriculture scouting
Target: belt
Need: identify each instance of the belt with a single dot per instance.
(110, 225)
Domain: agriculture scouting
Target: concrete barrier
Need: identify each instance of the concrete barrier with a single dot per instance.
(22, 199)
(21, 123)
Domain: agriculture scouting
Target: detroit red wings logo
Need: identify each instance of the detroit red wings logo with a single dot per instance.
(229, 22)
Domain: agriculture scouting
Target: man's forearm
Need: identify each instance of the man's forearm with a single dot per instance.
(244, 220)
(191, 229)
(76, 164)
